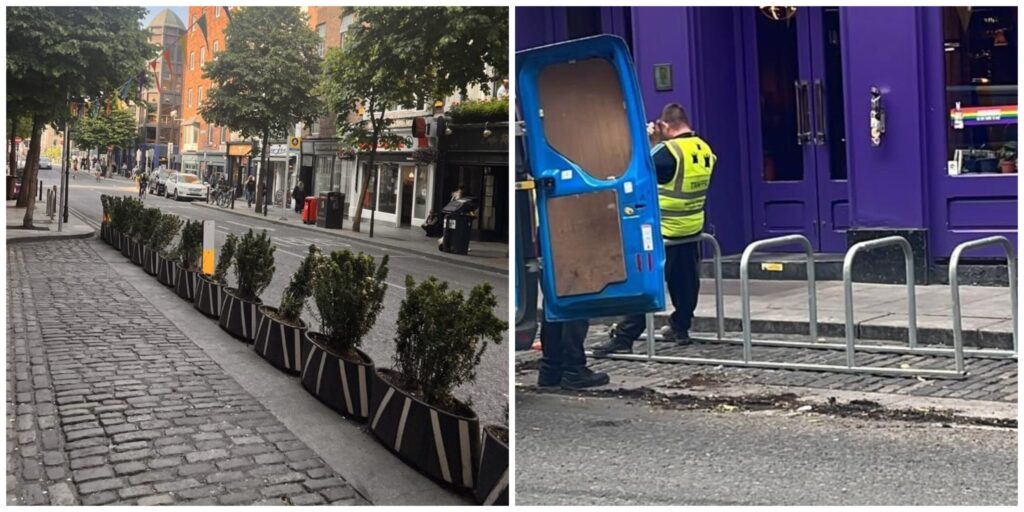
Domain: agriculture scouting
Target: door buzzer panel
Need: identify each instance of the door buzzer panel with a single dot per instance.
(597, 203)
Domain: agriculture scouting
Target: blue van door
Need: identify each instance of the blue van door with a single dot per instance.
(596, 189)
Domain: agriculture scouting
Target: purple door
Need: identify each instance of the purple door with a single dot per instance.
(793, 68)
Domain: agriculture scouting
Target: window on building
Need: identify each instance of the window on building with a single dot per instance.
(223, 134)
(980, 49)
(346, 21)
(202, 56)
(314, 129)
(190, 98)
(191, 61)
(216, 47)
(199, 98)
(209, 134)
(321, 30)
(216, 12)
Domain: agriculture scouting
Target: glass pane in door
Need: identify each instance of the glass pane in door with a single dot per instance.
(419, 209)
(777, 69)
(834, 114)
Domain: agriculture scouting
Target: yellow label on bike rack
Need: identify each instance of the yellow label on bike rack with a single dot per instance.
(771, 267)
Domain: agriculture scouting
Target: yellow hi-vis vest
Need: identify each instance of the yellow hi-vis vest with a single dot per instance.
(682, 199)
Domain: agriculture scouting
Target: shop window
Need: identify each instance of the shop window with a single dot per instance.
(388, 189)
(422, 189)
(980, 49)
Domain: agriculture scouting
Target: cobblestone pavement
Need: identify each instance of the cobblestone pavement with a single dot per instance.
(988, 379)
(108, 403)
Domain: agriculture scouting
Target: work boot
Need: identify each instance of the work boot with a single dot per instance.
(681, 339)
(583, 378)
(615, 346)
(549, 379)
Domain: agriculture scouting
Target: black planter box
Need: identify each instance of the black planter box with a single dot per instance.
(126, 246)
(149, 261)
(137, 250)
(184, 282)
(103, 232)
(342, 384)
(208, 296)
(492, 480)
(165, 271)
(277, 342)
(440, 444)
(238, 316)
(115, 239)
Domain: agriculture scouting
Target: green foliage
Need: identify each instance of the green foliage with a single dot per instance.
(441, 336)
(116, 129)
(128, 213)
(227, 255)
(1008, 151)
(105, 203)
(166, 229)
(146, 223)
(54, 153)
(190, 244)
(492, 110)
(408, 56)
(300, 287)
(349, 293)
(254, 264)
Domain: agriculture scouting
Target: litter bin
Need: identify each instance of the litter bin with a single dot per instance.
(457, 225)
(309, 210)
(330, 210)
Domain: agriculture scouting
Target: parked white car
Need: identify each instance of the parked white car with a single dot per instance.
(185, 186)
(158, 181)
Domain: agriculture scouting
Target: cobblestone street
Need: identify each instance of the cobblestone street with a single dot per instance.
(109, 403)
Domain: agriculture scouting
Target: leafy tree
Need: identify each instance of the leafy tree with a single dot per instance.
(54, 153)
(264, 78)
(61, 54)
(114, 129)
(408, 56)
(17, 126)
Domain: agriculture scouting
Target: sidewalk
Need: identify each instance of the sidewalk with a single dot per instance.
(491, 256)
(46, 229)
(880, 311)
(109, 402)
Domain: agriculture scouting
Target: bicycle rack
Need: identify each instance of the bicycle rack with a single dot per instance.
(954, 288)
(850, 346)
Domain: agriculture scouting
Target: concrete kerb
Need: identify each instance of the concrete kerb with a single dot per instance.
(383, 245)
(18, 236)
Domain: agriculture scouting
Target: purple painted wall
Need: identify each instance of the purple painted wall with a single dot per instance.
(900, 185)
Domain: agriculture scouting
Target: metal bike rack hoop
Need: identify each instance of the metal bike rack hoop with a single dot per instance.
(812, 299)
(954, 284)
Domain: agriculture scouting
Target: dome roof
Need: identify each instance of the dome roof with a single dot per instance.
(167, 18)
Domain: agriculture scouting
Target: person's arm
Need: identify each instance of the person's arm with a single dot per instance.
(664, 163)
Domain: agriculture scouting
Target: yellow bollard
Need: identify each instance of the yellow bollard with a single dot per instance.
(209, 247)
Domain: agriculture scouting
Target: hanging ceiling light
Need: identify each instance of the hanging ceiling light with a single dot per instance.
(778, 13)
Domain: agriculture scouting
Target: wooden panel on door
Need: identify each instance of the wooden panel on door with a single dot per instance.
(586, 242)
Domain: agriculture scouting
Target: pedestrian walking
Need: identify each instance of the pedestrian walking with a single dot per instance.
(298, 196)
(143, 181)
(250, 190)
(684, 163)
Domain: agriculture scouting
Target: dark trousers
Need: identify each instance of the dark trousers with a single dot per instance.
(562, 345)
(682, 274)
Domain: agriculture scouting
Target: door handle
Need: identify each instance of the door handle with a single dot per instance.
(803, 119)
(819, 110)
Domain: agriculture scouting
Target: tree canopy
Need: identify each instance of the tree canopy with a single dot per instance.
(115, 128)
(409, 56)
(263, 80)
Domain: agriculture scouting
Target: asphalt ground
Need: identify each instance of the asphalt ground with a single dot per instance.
(488, 395)
(573, 450)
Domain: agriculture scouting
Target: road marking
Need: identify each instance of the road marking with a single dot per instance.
(289, 253)
(246, 225)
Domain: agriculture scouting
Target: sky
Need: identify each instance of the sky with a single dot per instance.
(180, 10)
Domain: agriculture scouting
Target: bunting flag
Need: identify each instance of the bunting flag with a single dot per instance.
(227, 11)
(167, 59)
(156, 73)
(202, 26)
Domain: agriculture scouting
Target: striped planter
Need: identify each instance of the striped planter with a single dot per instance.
(342, 384)
(442, 445)
(208, 296)
(238, 316)
(137, 250)
(115, 239)
(126, 246)
(165, 271)
(104, 229)
(149, 261)
(278, 342)
(492, 480)
(184, 282)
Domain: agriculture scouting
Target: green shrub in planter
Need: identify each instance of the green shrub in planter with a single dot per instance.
(441, 336)
(167, 228)
(190, 247)
(348, 289)
(480, 111)
(280, 330)
(227, 255)
(254, 269)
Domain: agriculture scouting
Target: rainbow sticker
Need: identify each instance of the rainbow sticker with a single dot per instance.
(980, 116)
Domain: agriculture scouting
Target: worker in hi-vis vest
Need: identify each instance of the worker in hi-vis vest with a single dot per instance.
(684, 163)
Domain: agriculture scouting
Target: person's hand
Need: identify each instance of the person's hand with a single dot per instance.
(654, 132)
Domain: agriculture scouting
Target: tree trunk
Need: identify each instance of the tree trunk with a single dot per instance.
(28, 182)
(357, 217)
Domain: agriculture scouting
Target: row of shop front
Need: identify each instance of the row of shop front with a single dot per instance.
(407, 185)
